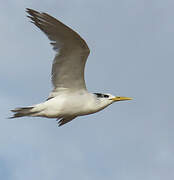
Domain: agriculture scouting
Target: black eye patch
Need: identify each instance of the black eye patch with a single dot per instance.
(99, 95)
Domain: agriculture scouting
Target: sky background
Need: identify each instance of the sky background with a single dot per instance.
(132, 54)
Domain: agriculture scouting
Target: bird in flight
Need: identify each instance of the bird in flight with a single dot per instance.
(69, 97)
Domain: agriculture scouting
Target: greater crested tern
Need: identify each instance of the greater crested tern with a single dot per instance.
(69, 97)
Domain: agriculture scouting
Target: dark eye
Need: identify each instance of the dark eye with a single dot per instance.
(106, 96)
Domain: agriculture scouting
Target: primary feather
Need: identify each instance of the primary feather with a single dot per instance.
(72, 51)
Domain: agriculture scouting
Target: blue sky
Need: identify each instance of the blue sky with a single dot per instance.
(131, 55)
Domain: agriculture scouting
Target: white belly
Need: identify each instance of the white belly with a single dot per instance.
(64, 105)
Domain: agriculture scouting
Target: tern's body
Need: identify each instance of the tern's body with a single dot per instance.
(61, 106)
(69, 97)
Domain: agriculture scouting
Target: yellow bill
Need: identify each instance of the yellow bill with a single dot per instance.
(118, 98)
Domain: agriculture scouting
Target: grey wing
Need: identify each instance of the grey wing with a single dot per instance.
(72, 52)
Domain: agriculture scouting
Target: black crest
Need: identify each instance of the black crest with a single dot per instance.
(99, 95)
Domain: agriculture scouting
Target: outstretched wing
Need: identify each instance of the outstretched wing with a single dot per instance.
(72, 52)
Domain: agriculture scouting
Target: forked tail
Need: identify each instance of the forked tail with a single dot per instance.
(24, 111)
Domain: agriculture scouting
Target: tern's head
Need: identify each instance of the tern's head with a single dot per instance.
(108, 99)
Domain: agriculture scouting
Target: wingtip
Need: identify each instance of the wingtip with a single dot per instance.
(12, 117)
(28, 10)
(12, 110)
(31, 11)
(59, 124)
